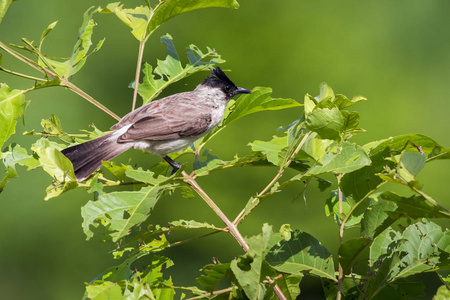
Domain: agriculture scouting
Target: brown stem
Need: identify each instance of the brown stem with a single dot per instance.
(232, 228)
(64, 81)
(138, 71)
(341, 236)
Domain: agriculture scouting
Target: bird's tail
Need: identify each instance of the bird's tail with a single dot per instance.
(88, 157)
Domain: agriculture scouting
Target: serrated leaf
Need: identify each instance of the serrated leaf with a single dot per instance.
(259, 100)
(397, 255)
(12, 107)
(301, 254)
(213, 274)
(271, 149)
(411, 163)
(327, 123)
(142, 175)
(340, 158)
(409, 142)
(376, 218)
(415, 207)
(168, 9)
(135, 18)
(120, 211)
(57, 166)
(250, 269)
(15, 154)
(351, 122)
(80, 50)
(170, 70)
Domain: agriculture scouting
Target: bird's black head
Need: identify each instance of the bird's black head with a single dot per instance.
(218, 79)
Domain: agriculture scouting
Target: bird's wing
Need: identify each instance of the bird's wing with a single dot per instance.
(168, 121)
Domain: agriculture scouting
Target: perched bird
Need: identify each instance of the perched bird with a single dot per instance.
(160, 127)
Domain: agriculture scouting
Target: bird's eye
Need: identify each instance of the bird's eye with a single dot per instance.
(228, 88)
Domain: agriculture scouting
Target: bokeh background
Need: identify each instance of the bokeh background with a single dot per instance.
(396, 53)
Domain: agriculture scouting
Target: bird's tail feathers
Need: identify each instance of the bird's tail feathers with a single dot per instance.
(87, 157)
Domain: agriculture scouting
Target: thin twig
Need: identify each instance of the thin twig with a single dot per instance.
(232, 228)
(210, 294)
(341, 236)
(64, 81)
(280, 173)
(138, 71)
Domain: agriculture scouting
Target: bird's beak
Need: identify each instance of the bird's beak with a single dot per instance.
(242, 91)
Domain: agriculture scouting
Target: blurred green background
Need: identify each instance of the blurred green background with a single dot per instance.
(395, 53)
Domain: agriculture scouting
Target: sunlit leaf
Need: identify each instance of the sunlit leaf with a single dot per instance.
(120, 211)
(409, 142)
(168, 9)
(328, 123)
(15, 154)
(271, 148)
(259, 100)
(12, 107)
(4, 5)
(171, 70)
(80, 50)
(135, 18)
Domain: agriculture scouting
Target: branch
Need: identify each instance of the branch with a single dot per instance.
(280, 173)
(64, 81)
(232, 228)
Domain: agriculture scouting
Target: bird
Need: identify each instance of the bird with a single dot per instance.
(160, 127)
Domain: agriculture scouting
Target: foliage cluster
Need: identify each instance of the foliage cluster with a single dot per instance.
(397, 237)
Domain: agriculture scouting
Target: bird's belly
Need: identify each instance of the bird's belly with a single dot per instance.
(163, 148)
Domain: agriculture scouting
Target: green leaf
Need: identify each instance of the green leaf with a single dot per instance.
(271, 149)
(4, 5)
(120, 211)
(395, 255)
(301, 254)
(415, 207)
(350, 288)
(259, 100)
(360, 183)
(402, 290)
(328, 123)
(290, 285)
(376, 218)
(46, 32)
(409, 142)
(144, 176)
(80, 50)
(103, 290)
(213, 274)
(12, 107)
(443, 293)
(251, 270)
(351, 122)
(57, 166)
(181, 224)
(350, 250)
(170, 70)
(135, 18)
(53, 126)
(15, 154)
(168, 9)
(340, 158)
